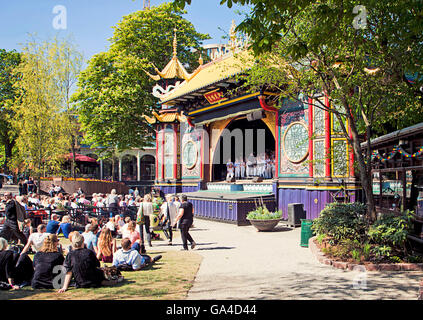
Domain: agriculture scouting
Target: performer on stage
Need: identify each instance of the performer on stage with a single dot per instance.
(229, 169)
(237, 166)
(260, 165)
(242, 168)
(251, 166)
(268, 167)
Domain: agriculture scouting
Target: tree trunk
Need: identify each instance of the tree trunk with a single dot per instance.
(365, 172)
(8, 146)
(73, 171)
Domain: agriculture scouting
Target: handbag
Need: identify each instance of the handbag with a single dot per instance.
(112, 273)
(140, 216)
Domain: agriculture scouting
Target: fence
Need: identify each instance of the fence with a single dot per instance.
(78, 216)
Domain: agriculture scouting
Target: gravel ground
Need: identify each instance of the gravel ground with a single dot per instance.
(241, 263)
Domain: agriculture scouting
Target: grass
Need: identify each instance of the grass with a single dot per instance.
(168, 279)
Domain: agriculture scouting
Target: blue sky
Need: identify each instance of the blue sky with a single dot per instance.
(90, 21)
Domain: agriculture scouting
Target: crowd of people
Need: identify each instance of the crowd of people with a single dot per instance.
(97, 243)
(263, 166)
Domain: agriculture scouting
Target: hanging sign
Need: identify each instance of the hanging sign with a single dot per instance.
(214, 96)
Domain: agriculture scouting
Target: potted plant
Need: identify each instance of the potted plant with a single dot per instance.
(264, 220)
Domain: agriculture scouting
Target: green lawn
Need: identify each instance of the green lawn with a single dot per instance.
(168, 279)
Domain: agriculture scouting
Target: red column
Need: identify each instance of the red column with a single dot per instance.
(202, 154)
(327, 141)
(157, 150)
(310, 135)
(175, 150)
(277, 148)
(162, 146)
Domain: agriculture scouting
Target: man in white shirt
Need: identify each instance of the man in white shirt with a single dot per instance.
(36, 239)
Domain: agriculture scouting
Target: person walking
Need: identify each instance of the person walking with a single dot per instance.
(185, 219)
(11, 230)
(145, 210)
(168, 211)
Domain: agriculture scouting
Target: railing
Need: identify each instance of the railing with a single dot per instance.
(78, 215)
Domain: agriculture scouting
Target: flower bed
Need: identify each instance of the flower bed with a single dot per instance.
(344, 235)
(351, 265)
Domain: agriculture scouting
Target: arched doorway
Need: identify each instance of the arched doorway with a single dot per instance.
(129, 168)
(240, 139)
(111, 169)
(148, 167)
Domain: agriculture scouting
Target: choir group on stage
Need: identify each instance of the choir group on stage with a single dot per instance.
(261, 166)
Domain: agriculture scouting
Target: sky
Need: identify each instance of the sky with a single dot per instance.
(90, 22)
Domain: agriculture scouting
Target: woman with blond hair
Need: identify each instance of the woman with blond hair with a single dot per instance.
(106, 246)
(45, 262)
(65, 226)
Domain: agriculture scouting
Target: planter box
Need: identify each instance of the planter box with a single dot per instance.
(264, 225)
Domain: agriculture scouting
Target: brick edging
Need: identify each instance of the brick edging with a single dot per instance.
(369, 267)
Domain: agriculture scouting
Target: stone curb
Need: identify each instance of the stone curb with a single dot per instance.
(369, 267)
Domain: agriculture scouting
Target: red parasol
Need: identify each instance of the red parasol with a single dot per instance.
(81, 158)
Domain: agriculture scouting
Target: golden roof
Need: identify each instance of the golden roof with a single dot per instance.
(224, 68)
(174, 69)
(165, 117)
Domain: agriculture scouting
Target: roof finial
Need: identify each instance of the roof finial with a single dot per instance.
(232, 36)
(175, 44)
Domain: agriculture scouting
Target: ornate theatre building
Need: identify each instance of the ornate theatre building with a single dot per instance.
(208, 127)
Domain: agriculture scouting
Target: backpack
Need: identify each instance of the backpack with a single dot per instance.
(140, 215)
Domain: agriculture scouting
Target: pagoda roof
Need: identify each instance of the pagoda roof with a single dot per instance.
(167, 117)
(216, 71)
(174, 69)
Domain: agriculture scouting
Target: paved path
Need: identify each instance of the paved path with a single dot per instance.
(241, 263)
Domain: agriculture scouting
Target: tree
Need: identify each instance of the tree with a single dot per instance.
(40, 122)
(67, 63)
(9, 60)
(114, 91)
(358, 53)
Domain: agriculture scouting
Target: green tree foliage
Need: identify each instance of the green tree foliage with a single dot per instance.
(114, 92)
(9, 60)
(40, 121)
(357, 53)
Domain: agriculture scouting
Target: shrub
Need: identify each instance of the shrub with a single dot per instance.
(342, 221)
(391, 230)
(262, 213)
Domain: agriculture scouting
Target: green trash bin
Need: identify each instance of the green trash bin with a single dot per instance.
(306, 232)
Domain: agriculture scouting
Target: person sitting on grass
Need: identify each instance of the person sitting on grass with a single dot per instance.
(36, 239)
(90, 238)
(27, 230)
(53, 224)
(83, 266)
(7, 264)
(65, 226)
(128, 259)
(106, 246)
(44, 262)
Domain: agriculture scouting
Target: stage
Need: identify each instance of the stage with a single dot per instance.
(230, 206)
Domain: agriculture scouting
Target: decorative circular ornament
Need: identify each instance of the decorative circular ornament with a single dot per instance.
(295, 142)
(190, 154)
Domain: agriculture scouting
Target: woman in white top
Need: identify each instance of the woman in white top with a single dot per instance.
(147, 209)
